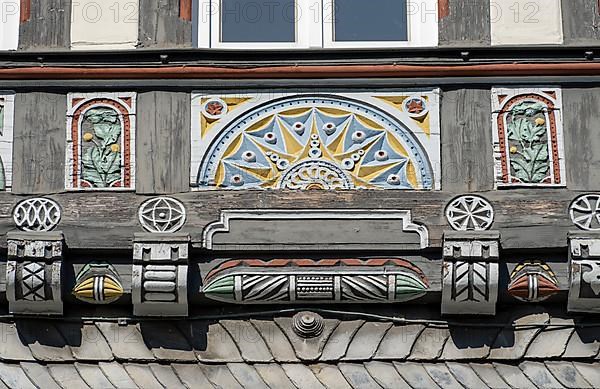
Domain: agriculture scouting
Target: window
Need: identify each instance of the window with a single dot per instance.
(7, 108)
(528, 139)
(100, 141)
(284, 24)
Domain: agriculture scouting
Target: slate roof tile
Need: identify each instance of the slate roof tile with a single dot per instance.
(126, 342)
(465, 375)
(12, 347)
(274, 376)
(366, 340)
(302, 376)
(513, 343)
(44, 340)
(583, 343)
(67, 376)
(513, 376)
(551, 341)
(212, 343)
(220, 376)
(117, 375)
(277, 342)
(86, 342)
(398, 342)
(489, 375)
(429, 344)
(307, 349)
(589, 371)
(567, 375)
(358, 376)
(39, 375)
(540, 375)
(415, 374)
(469, 343)
(14, 377)
(165, 375)
(250, 342)
(338, 342)
(142, 375)
(330, 376)
(93, 376)
(191, 375)
(166, 341)
(442, 376)
(247, 376)
(386, 375)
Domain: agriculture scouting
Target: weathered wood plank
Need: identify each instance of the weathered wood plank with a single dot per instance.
(39, 143)
(581, 22)
(525, 218)
(467, 24)
(581, 114)
(163, 139)
(48, 26)
(161, 25)
(467, 160)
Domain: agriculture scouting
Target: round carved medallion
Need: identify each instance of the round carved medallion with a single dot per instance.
(37, 214)
(585, 212)
(162, 214)
(470, 213)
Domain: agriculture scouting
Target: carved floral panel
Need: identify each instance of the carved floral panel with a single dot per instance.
(7, 108)
(101, 141)
(316, 141)
(528, 137)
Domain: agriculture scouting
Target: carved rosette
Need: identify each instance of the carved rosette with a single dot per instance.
(159, 279)
(470, 272)
(532, 281)
(345, 281)
(33, 273)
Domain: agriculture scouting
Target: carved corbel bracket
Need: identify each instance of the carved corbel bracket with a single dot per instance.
(159, 278)
(33, 272)
(470, 272)
(584, 265)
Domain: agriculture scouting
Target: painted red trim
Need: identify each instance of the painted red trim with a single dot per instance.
(25, 10)
(185, 10)
(303, 71)
(444, 8)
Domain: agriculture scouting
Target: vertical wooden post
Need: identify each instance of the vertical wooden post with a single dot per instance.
(185, 9)
(25, 10)
(444, 8)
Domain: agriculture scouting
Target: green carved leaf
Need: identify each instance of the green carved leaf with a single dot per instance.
(408, 287)
(222, 288)
(528, 109)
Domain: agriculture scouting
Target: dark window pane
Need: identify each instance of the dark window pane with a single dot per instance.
(370, 20)
(258, 20)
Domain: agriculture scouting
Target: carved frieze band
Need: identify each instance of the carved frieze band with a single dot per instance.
(346, 280)
(33, 273)
(470, 272)
(159, 279)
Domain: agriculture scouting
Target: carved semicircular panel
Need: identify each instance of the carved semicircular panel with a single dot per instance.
(98, 284)
(379, 280)
(532, 281)
(319, 142)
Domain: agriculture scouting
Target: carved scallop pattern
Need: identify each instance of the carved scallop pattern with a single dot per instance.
(162, 214)
(585, 212)
(470, 213)
(37, 214)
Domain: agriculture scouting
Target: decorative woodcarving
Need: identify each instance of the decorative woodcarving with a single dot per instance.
(308, 324)
(305, 229)
(7, 109)
(37, 214)
(301, 281)
(101, 141)
(33, 273)
(585, 212)
(162, 214)
(98, 283)
(584, 263)
(333, 141)
(470, 273)
(470, 213)
(532, 281)
(159, 279)
(528, 138)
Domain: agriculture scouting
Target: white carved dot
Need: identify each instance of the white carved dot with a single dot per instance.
(282, 164)
(299, 128)
(274, 157)
(355, 157)
(358, 136)
(381, 155)
(329, 128)
(270, 137)
(585, 212)
(37, 214)
(249, 156)
(314, 153)
(470, 213)
(237, 180)
(162, 214)
(394, 179)
(347, 164)
(315, 143)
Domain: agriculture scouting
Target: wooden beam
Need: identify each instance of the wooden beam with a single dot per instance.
(25, 10)
(185, 10)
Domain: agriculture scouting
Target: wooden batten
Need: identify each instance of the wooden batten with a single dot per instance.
(185, 10)
(25, 10)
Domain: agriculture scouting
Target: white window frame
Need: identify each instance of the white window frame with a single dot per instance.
(315, 28)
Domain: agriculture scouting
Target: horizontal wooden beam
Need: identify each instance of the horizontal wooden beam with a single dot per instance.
(303, 71)
(526, 219)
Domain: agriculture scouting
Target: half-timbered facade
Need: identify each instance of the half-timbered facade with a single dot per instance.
(300, 194)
